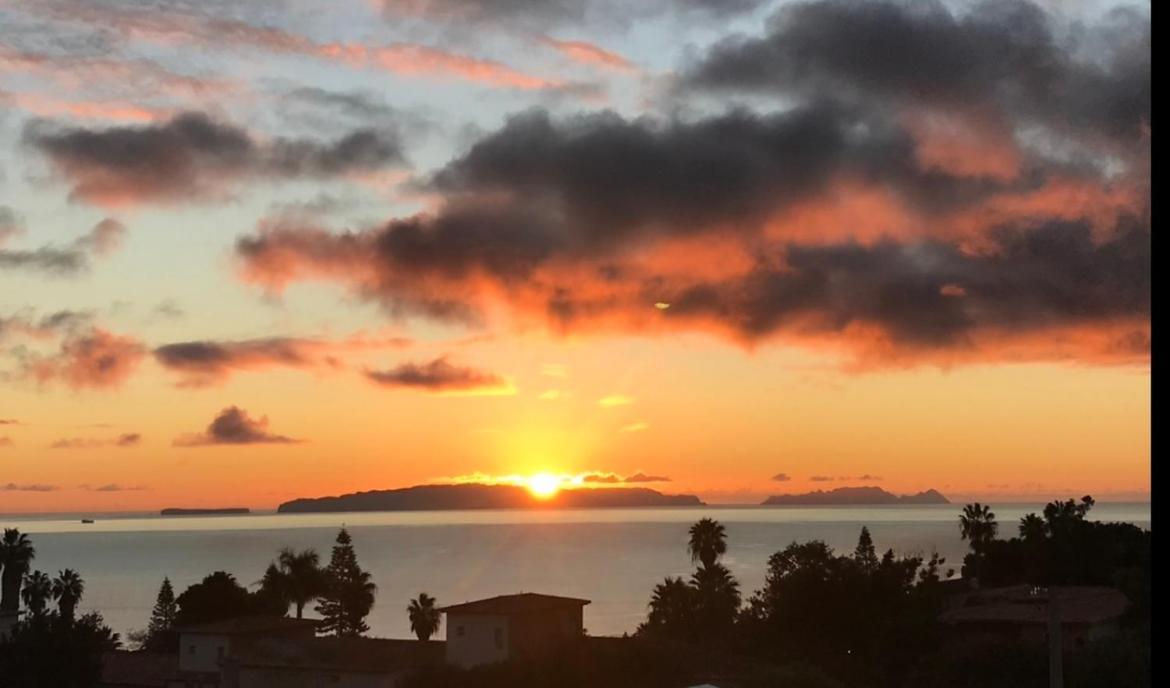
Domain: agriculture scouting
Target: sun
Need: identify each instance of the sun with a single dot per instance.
(544, 485)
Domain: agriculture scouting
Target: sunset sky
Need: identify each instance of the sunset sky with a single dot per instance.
(264, 250)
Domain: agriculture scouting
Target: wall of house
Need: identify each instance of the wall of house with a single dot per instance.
(539, 632)
(202, 652)
(475, 639)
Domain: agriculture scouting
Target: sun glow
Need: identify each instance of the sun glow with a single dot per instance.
(544, 485)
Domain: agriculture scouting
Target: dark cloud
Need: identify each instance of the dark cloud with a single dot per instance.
(438, 375)
(781, 477)
(202, 363)
(945, 233)
(614, 478)
(194, 157)
(129, 439)
(644, 478)
(51, 325)
(93, 359)
(114, 487)
(1056, 274)
(73, 258)
(233, 425)
(821, 478)
(1006, 54)
(28, 487)
(9, 421)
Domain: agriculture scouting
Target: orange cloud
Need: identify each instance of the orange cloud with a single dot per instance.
(590, 54)
(96, 359)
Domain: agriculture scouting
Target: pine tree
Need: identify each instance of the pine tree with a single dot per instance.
(865, 555)
(349, 592)
(162, 617)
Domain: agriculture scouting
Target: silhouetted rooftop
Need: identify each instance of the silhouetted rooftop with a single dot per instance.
(247, 625)
(521, 603)
(1024, 604)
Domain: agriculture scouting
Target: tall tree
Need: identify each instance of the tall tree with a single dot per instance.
(68, 587)
(424, 617)
(38, 589)
(295, 577)
(708, 541)
(349, 592)
(865, 555)
(166, 609)
(978, 526)
(16, 554)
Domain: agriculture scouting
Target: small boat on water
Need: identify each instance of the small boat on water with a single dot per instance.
(87, 520)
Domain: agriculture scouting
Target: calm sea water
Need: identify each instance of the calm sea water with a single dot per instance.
(610, 556)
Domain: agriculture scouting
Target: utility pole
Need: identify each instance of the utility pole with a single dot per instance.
(1055, 649)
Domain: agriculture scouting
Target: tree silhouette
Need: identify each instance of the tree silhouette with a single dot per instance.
(424, 617)
(349, 592)
(978, 526)
(672, 609)
(865, 555)
(68, 587)
(219, 596)
(16, 554)
(50, 651)
(295, 577)
(716, 597)
(38, 589)
(708, 541)
(1033, 528)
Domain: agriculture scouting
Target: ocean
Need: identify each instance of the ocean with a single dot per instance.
(612, 557)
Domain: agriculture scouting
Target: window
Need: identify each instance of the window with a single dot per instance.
(499, 638)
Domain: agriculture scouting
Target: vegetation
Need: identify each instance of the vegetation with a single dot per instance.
(51, 648)
(16, 555)
(296, 578)
(219, 596)
(349, 592)
(424, 616)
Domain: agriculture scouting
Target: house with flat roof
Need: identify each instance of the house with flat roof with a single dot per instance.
(511, 626)
(203, 648)
(1022, 613)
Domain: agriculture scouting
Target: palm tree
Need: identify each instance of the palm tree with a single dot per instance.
(68, 588)
(1033, 528)
(672, 608)
(708, 541)
(424, 617)
(977, 524)
(16, 553)
(296, 577)
(37, 591)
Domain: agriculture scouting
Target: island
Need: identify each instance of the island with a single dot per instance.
(854, 496)
(481, 496)
(174, 511)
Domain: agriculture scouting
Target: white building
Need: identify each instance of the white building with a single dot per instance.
(511, 626)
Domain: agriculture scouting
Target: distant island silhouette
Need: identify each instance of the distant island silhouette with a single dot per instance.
(480, 496)
(856, 496)
(176, 511)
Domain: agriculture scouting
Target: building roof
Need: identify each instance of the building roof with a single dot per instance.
(249, 625)
(521, 603)
(1023, 604)
(358, 655)
(122, 669)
